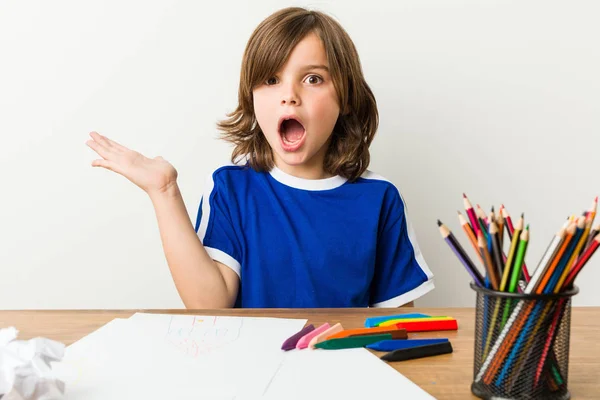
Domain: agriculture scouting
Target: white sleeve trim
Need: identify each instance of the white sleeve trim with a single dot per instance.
(208, 188)
(225, 259)
(407, 297)
(412, 237)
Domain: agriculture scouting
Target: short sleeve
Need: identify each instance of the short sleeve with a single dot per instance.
(215, 225)
(401, 274)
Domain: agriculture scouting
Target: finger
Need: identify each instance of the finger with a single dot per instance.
(107, 164)
(116, 145)
(103, 140)
(102, 150)
(108, 142)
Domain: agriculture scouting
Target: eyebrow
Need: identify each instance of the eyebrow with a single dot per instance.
(314, 66)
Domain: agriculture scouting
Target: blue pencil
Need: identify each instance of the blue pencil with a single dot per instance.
(391, 345)
(563, 262)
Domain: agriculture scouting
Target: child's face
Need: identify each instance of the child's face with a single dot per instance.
(302, 90)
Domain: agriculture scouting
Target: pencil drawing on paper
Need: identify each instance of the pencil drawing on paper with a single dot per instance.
(195, 336)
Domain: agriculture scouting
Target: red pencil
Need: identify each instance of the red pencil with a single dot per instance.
(593, 234)
(585, 257)
(471, 214)
(509, 225)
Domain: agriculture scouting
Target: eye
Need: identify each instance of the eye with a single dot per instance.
(271, 81)
(313, 79)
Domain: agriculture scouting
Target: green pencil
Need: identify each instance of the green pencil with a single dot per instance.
(516, 270)
(511, 254)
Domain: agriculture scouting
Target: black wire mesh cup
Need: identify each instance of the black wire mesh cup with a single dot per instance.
(521, 345)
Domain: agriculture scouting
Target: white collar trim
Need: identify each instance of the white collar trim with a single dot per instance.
(307, 184)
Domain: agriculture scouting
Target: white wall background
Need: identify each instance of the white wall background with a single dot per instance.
(499, 99)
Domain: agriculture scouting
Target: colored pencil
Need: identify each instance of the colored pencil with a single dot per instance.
(554, 286)
(585, 257)
(503, 282)
(512, 287)
(576, 252)
(519, 259)
(549, 254)
(569, 232)
(482, 220)
(511, 255)
(461, 254)
(593, 208)
(549, 339)
(487, 262)
(508, 222)
(558, 312)
(500, 223)
(562, 265)
(539, 270)
(592, 236)
(470, 234)
(498, 254)
(567, 253)
(503, 356)
(510, 229)
(471, 214)
(560, 308)
(553, 251)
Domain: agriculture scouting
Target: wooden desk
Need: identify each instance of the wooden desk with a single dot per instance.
(446, 377)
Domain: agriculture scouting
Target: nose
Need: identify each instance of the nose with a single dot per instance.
(290, 95)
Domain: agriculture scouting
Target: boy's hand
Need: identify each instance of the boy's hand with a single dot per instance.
(153, 175)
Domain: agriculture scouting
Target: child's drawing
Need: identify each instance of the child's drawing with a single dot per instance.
(199, 335)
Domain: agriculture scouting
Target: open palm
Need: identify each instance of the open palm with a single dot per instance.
(153, 175)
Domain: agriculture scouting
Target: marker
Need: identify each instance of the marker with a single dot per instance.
(291, 342)
(305, 340)
(392, 330)
(374, 321)
(397, 333)
(450, 325)
(418, 352)
(352, 342)
(325, 334)
(391, 345)
(393, 322)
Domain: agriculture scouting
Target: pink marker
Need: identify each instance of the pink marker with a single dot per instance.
(325, 334)
(305, 340)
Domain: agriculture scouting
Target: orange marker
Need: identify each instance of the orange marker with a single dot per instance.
(395, 332)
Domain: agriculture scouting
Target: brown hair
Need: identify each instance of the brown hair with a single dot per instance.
(267, 50)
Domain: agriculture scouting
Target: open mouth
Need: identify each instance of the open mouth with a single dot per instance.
(292, 133)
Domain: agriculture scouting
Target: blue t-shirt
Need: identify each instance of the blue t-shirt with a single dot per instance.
(312, 243)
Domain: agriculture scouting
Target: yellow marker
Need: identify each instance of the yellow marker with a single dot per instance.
(391, 322)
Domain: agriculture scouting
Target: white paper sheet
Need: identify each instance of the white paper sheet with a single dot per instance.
(163, 356)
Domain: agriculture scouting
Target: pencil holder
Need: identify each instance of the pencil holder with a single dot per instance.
(521, 345)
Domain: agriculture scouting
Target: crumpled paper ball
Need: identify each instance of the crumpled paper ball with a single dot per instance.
(25, 369)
